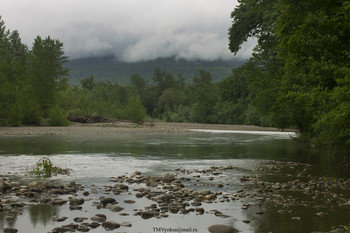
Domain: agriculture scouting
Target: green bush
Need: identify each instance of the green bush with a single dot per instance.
(15, 115)
(135, 111)
(58, 117)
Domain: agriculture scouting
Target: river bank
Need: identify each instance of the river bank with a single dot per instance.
(125, 126)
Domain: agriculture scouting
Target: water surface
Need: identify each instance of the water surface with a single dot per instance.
(95, 158)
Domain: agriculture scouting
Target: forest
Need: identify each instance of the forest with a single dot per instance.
(298, 77)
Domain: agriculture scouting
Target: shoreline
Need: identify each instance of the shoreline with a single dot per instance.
(127, 127)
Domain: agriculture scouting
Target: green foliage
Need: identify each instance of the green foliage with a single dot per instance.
(298, 75)
(45, 168)
(58, 117)
(346, 228)
(30, 79)
(135, 111)
(88, 83)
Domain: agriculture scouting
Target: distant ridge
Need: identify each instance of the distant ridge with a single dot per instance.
(110, 69)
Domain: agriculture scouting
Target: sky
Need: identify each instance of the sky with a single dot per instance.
(131, 30)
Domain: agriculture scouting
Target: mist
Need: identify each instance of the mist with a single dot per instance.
(131, 30)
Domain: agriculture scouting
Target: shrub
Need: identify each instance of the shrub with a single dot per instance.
(44, 167)
(135, 111)
(58, 117)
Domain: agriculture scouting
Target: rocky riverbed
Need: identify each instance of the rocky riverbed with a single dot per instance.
(181, 192)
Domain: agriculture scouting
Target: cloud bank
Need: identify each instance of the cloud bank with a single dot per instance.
(132, 30)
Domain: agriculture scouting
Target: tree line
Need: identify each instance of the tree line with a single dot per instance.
(298, 77)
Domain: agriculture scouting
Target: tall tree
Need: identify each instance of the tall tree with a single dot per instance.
(47, 71)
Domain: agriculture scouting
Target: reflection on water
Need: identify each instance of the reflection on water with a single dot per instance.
(94, 158)
(42, 214)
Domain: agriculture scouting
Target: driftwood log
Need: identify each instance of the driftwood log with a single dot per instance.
(89, 119)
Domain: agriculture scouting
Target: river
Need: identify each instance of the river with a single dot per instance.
(94, 159)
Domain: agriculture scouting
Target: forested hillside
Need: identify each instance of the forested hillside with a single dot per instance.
(109, 68)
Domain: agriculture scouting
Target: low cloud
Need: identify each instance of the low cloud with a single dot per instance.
(132, 30)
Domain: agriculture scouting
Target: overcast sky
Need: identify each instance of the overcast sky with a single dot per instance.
(132, 30)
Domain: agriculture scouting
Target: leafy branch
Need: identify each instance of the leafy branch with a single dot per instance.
(44, 167)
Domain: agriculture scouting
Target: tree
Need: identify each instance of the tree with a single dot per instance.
(138, 82)
(47, 72)
(13, 74)
(302, 64)
(88, 83)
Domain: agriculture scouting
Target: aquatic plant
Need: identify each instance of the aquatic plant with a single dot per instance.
(346, 228)
(44, 167)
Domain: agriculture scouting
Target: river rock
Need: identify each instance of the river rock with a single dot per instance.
(168, 177)
(71, 226)
(61, 230)
(59, 201)
(282, 211)
(10, 230)
(147, 214)
(86, 193)
(83, 228)
(126, 224)
(99, 218)
(76, 201)
(244, 179)
(204, 192)
(200, 211)
(94, 225)
(4, 186)
(59, 219)
(321, 214)
(110, 225)
(129, 201)
(116, 208)
(346, 204)
(107, 200)
(219, 228)
(80, 219)
(9, 218)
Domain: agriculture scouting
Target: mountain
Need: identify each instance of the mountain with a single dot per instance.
(110, 69)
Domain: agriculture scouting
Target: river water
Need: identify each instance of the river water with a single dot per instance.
(96, 158)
